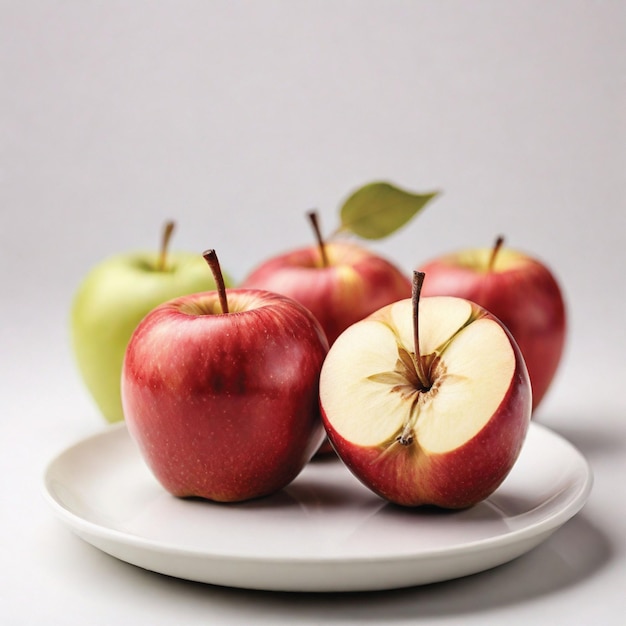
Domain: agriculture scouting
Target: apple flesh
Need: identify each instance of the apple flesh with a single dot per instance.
(224, 405)
(519, 290)
(353, 282)
(447, 437)
(109, 304)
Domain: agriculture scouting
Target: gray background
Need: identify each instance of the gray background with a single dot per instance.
(234, 118)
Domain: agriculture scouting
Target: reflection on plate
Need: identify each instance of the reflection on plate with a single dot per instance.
(324, 532)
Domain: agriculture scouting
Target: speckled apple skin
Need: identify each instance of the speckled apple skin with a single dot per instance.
(454, 480)
(527, 299)
(354, 284)
(225, 407)
(457, 479)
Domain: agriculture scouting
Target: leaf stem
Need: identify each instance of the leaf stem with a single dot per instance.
(166, 236)
(314, 219)
(211, 258)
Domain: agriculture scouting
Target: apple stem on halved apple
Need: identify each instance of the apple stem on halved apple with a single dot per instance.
(210, 257)
(418, 281)
(168, 229)
(422, 377)
(314, 219)
(494, 253)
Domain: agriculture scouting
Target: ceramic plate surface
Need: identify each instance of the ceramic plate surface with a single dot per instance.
(324, 532)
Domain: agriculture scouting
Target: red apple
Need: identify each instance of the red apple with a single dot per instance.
(338, 281)
(220, 392)
(427, 401)
(519, 290)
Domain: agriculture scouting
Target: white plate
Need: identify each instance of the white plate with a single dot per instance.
(324, 532)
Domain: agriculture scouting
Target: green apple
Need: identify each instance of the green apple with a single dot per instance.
(111, 301)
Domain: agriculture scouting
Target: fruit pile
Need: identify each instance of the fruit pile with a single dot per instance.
(423, 385)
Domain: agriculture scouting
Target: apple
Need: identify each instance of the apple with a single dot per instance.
(518, 289)
(427, 401)
(220, 391)
(339, 281)
(113, 298)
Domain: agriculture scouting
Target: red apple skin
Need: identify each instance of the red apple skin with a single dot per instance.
(225, 406)
(526, 298)
(354, 284)
(455, 480)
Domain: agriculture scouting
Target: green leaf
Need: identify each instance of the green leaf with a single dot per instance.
(379, 209)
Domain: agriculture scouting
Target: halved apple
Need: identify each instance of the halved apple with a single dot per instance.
(427, 401)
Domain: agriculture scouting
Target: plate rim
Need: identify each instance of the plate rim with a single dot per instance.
(539, 530)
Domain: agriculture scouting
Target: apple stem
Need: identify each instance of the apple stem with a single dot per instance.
(418, 281)
(314, 219)
(210, 257)
(494, 252)
(168, 229)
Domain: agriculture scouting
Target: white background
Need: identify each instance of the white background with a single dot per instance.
(234, 118)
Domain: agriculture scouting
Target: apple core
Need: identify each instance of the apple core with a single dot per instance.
(406, 412)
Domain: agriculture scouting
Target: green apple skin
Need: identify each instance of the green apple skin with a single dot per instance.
(109, 304)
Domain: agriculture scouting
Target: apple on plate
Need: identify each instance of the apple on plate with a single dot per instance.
(220, 391)
(339, 281)
(519, 290)
(427, 401)
(113, 298)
